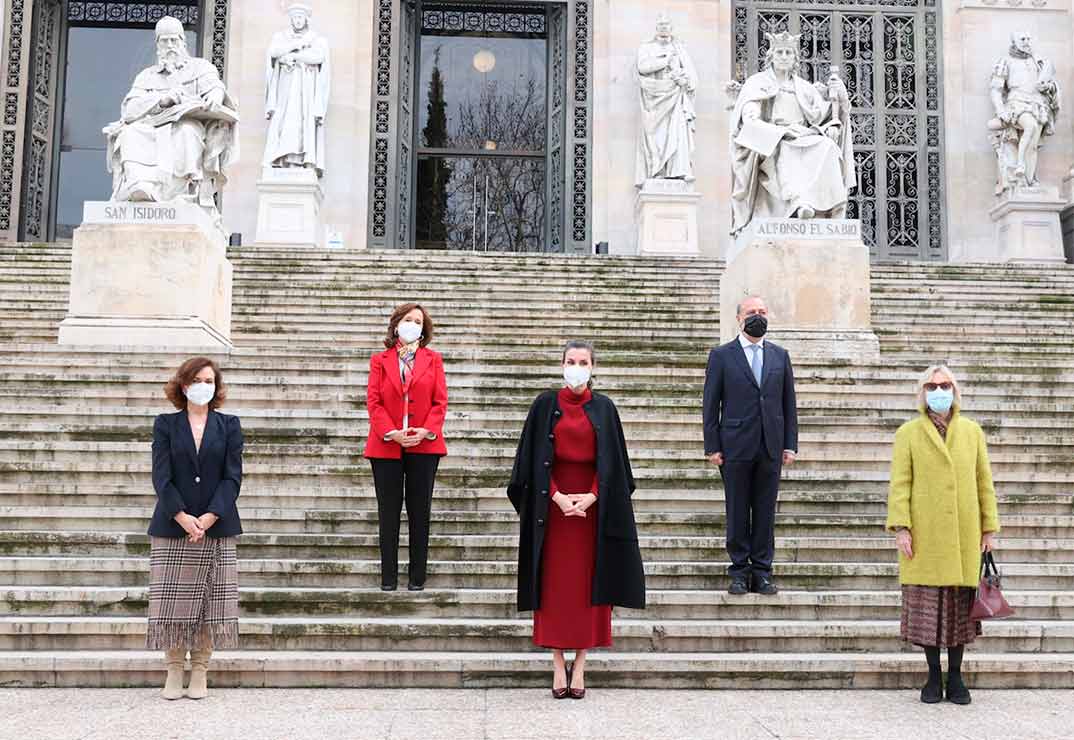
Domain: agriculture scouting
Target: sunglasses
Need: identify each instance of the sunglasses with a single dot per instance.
(938, 386)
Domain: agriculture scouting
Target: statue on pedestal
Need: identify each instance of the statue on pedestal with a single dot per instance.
(1025, 96)
(296, 99)
(668, 81)
(791, 142)
(176, 133)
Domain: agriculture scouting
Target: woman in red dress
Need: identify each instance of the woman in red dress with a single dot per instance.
(572, 486)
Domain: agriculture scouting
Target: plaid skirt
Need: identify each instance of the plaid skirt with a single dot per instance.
(193, 594)
(938, 616)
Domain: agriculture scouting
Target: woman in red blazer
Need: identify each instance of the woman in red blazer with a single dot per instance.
(407, 401)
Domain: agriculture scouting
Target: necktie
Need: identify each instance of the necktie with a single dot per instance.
(755, 364)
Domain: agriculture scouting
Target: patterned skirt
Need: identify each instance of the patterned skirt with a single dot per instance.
(938, 616)
(193, 594)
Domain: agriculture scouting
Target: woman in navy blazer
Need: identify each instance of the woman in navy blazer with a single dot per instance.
(407, 399)
(197, 474)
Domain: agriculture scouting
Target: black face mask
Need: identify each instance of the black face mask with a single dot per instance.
(755, 325)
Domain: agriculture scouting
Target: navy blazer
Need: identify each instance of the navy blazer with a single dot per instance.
(737, 410)
(196, 481)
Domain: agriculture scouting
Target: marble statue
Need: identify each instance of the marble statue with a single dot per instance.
(791, 143)
(1025, 96)
(668, 80)
(296, 99)
(176, 133)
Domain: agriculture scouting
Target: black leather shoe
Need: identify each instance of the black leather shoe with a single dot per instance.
(765, 586)
(387, 587)
(738, 587)
(957, 693)
(932, 693)
(416, 587)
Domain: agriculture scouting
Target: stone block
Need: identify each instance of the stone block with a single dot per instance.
(289, 208)
(814, 275)
(666, 217)
(148, 274)
(1027, 226)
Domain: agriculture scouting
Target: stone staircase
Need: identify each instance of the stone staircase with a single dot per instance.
(75, 492)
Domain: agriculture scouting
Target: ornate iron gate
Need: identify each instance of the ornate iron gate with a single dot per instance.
(889, 53)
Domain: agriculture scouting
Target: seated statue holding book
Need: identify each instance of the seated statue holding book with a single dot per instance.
(176, 133)
(791, 143)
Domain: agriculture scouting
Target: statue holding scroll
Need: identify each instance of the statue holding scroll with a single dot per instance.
(176, 133)
(667, 79)
(791, 142)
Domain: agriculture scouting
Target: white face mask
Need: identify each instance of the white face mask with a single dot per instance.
(201, 393)
(576, 375)
(409, 331)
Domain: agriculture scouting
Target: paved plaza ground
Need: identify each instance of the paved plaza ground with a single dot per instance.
(256, 714)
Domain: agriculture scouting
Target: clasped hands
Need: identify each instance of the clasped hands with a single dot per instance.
(196, 526)
(574, 504)
(410, 437)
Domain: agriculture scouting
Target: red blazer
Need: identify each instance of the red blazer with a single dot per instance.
(384, 400)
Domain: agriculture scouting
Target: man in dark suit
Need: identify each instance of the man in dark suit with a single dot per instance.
(751, 431)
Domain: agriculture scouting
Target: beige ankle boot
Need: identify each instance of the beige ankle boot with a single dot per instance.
(173, 686)
(199, 674)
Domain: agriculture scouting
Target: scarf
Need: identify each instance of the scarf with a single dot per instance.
(940, 421)
(407, 353)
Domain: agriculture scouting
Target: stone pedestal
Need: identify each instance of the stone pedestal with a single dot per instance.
(148, 274)
(665, 213)
(289, 208)
(814, 276)
(1027, 226)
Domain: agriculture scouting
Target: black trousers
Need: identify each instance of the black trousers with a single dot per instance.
(411, 480)
(751, 488)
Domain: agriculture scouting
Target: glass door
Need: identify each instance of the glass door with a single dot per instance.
(481, 128)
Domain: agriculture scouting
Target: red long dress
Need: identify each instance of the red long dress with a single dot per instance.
(567, 619)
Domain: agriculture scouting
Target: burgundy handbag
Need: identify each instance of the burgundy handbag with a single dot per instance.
(989, 602)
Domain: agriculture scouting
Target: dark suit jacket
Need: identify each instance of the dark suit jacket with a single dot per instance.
(737, 410)
(384, 401)
(199, 481)
(618, 575)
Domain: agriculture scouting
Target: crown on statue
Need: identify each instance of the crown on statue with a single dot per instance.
(783, 40)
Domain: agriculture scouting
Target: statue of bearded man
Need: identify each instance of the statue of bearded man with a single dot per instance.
(792, 150)
(176, 133)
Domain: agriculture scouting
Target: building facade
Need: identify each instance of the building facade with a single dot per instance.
(512, 126)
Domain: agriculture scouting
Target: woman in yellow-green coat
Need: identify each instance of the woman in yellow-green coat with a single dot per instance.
(942, 509)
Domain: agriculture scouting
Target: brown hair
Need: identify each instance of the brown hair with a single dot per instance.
(185, 375)
(390, 339)
(588, 347)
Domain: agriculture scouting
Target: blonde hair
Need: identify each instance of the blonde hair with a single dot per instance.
(927, 378)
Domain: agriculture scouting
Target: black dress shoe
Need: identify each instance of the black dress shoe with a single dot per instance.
(765, 586)
(738, 587)
(416, 587)
(932, 692)
(387, 587)
(957, 693)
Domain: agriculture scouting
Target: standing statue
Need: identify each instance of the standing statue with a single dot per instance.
(296, 99)
(176, 133)
(668, 80)
(1025, 96)
(792, 150)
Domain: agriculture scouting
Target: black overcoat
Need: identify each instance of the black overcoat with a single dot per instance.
(618, 579)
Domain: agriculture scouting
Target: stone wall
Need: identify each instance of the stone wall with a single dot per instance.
(348, 28)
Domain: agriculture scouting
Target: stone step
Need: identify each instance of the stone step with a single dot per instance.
(501, 670)
(398, 634)
(500, 603)
(358, 573)
(833, 547)
(63, 524)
